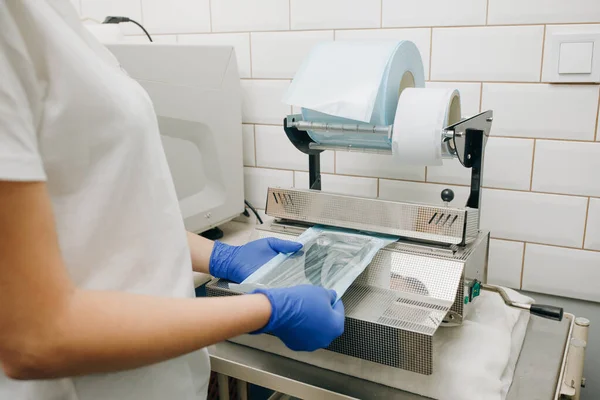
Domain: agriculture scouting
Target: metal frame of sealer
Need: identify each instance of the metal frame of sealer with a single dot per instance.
(464, 140)
(426, 280)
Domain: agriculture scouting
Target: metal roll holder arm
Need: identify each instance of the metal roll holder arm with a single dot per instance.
(464, 140)
(301, 140)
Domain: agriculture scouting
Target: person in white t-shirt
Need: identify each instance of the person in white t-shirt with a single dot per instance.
(96, 288)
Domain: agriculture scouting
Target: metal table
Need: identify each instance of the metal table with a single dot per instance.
(536, 376)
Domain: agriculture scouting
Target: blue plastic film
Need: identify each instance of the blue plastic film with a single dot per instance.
(355, 82)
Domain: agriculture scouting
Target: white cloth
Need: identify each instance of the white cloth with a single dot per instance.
(71, 117)
(476, 360)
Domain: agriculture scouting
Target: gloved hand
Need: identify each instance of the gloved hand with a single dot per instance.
(303, 316)
(236, 263)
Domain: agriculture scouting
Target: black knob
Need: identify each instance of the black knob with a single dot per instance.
(447, 195)
(544, 311)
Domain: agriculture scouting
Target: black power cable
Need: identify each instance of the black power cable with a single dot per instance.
(253, 211)
(118, 20)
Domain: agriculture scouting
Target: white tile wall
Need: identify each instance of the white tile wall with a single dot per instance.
(507, 165)
(261, 101)
(349, 185)
(592, 234)
(500, 55)
(244, 15)
(567, 167)
(542, 111)
(534, 217)
(505, 263)
(374, 165)
(239, 41)
(274, 150)
(543, 11)
(470, 95)
(562, 272)
(248, 142)
(279, 54)
(155, 39)
(335, 14)
(452, 171)
(258, 180)
(421, 37)
(176, 16)
(433, 12)
(99, 9)
(553, 29)
(416, 192)
(508, 53)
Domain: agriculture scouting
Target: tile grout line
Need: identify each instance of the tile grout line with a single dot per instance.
(559, 246)
(399, 28)
(377, 187)
(430, 51)
(523, 265)
(487, 12)
(380, 14)
(536, 192)
(597, 120)
(480, 96)
(543, 50)
(532, 166)
(335, 162)
(587, 213)
(210, 14)
(255, 152)
(590, 141)
(289, 15)
(428, 80)
(458, 185)
(142, 13)
(250, 51)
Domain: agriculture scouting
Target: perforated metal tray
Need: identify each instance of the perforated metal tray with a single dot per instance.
(393, 309)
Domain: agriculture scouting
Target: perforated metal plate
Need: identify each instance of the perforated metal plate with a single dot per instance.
(375, 342)
(393, 308)
(417, 221)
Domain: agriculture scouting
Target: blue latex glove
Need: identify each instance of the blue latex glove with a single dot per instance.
(236, 263)
(303, 316)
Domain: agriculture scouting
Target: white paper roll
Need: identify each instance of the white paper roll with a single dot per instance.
(421, 116)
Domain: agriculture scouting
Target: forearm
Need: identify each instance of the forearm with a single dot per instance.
(50, 329)
(108, 331)
(200, 251)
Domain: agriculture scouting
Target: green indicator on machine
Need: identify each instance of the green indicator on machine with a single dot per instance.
(476, 289)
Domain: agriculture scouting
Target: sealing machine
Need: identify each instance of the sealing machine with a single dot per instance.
(427, 279)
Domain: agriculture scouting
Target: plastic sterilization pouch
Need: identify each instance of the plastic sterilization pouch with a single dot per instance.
(331, 258)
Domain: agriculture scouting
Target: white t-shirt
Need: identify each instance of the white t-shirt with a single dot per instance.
(71, 117)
